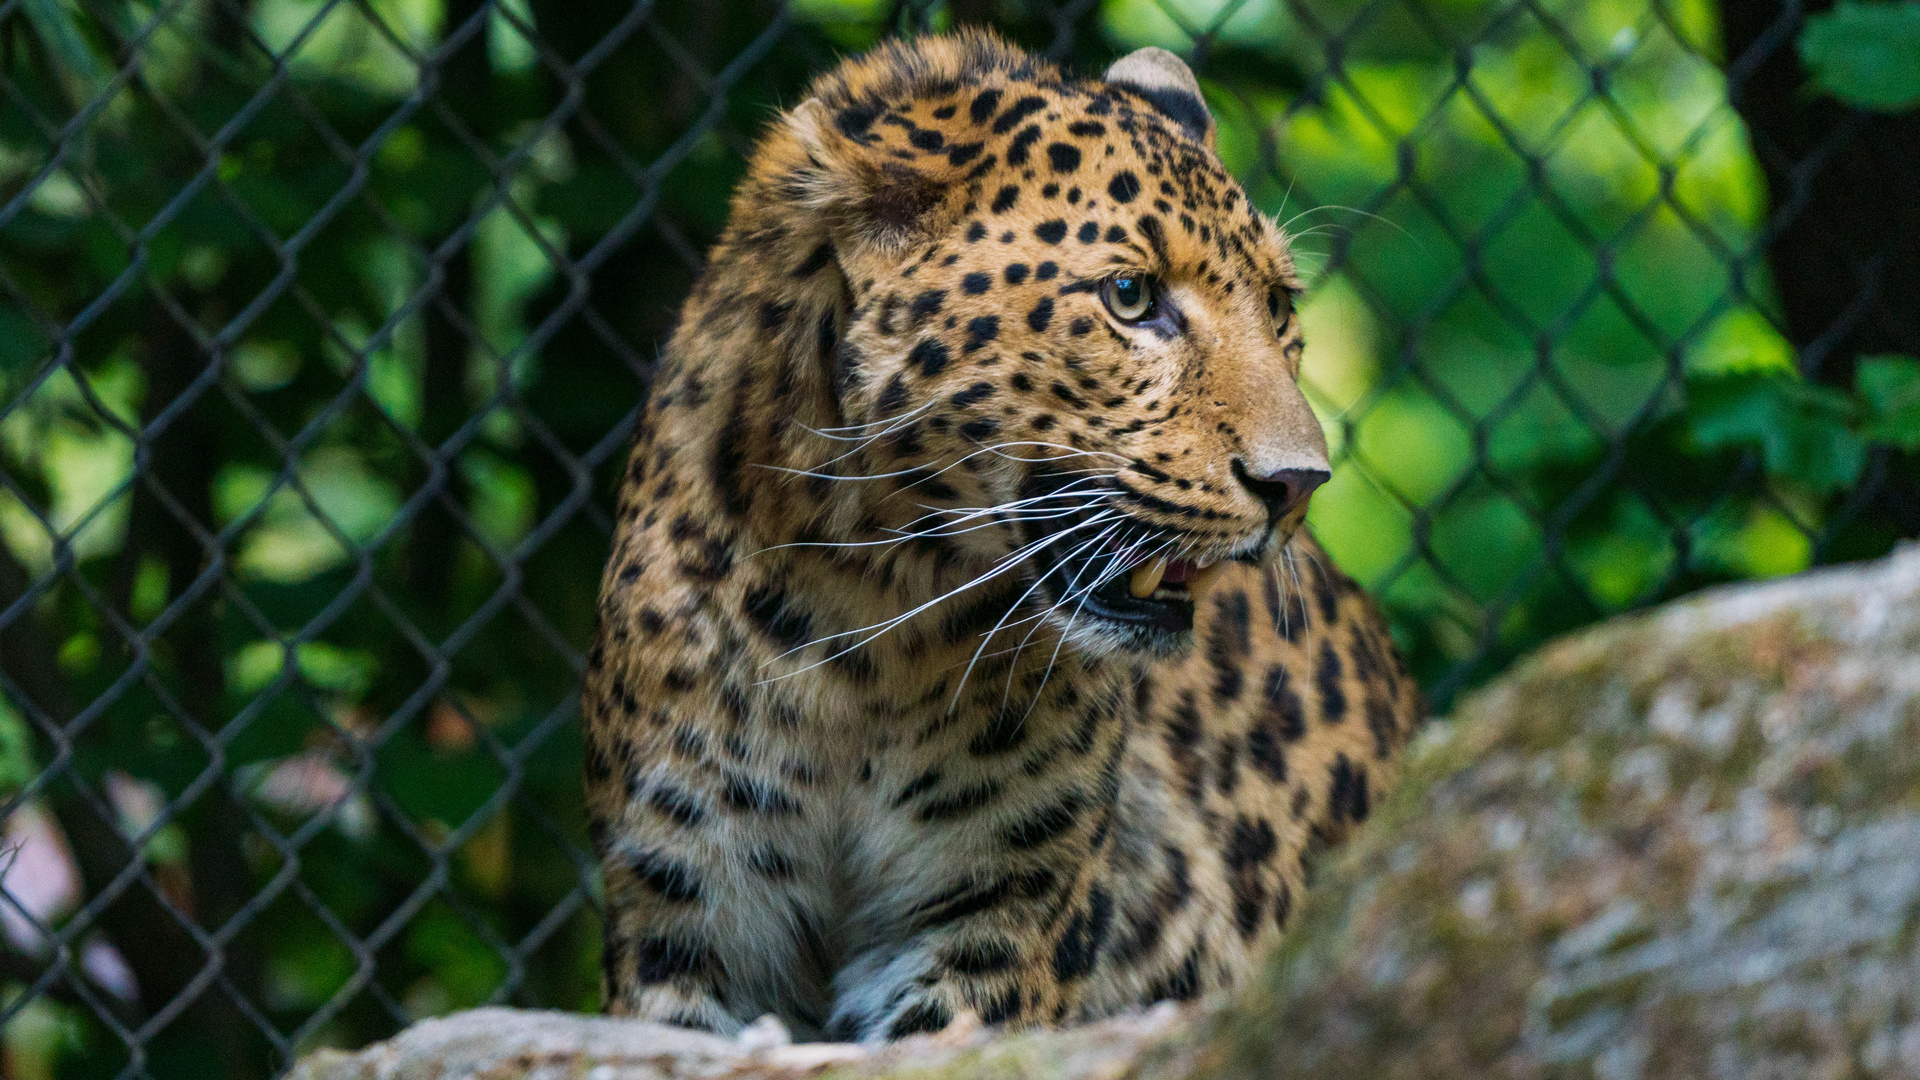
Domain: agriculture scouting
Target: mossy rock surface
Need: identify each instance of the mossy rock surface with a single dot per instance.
(1682, 844)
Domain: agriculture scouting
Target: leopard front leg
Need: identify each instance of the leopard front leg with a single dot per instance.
(713, 915)
(1011, 948)
(1003, 909)
(659, 960)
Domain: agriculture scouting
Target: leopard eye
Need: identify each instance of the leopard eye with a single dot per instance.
(1131, 297)
(1280, 307)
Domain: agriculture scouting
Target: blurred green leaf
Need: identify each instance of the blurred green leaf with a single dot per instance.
(21, 343)
(16, 750)
(1867, 55)
(1889, 387)
(54, 22)
(328, 667)
(1803, 430)
(306, 970)
(465, 966)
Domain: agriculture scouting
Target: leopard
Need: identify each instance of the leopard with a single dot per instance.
(961, 651)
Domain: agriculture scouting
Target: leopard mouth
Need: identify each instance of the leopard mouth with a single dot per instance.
(1094, 566)
(1158, 594)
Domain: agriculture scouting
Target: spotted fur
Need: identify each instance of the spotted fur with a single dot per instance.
(853, 758)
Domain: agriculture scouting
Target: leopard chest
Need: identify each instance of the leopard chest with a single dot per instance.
(914, 777)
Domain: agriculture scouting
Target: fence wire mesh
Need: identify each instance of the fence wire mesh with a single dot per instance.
(324, 324)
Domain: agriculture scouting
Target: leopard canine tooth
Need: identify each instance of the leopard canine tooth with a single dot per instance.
(1146, 578)
(1203, 579)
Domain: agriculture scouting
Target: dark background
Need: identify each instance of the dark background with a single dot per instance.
(323, 324)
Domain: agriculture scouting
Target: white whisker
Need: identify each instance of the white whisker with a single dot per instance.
(827, 433)
(1001, 513)
(1009, 562)
(1015, 606)
(1039, 620)
(1114, 568)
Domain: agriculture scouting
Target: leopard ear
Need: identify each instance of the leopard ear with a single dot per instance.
(874, 204)
(1168, 84)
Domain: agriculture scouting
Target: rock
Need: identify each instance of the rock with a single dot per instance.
(515, 1044)
(1682, 844)
(1685, 844)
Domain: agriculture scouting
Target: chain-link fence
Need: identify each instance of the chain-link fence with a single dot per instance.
(324, 323)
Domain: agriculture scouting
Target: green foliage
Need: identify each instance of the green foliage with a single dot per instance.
(1804, 432)
(1889, 388)
(17, 766)
(55, 24)
(1866, 54)
(1818, 436)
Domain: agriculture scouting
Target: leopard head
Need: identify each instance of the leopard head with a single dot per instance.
(1067, 338)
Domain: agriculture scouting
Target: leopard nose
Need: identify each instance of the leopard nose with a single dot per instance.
(1281, 492)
